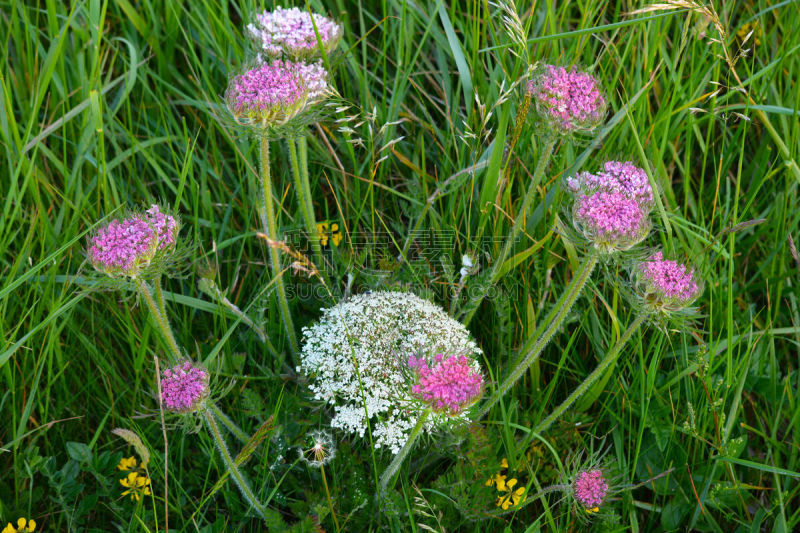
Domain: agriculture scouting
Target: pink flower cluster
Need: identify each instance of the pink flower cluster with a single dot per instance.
(290, 32)
(590, 488)
(610, 217)
(277, 91)
(125, 246)
(669, 279)
(450, 385)
(568, 99)
(183, 387)
(624, 177)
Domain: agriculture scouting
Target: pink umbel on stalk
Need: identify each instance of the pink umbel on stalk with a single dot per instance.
(184, 387)
(590, 488)
(616, 176)
(277, 92)
(612, 221)
(666, 284)
(290, 33)
(450, 385)
(569, 100)
(126, 247)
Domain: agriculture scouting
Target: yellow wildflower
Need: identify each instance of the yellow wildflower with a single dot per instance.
(127, 463)
(23, 526)
(593, 510)
(329, 232)
(750, 27)
(512, 497)
(137, 486)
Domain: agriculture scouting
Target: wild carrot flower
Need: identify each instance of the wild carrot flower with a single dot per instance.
(137, 486)
(665, 285)
(611, 221)
(322, 449)
(590, 489)
(184, 387)
(127, 247)
(278, 94)
(616, 176)
(568, 100)
(357, 354)
(23, 526)
(290, 33)
(450, 386)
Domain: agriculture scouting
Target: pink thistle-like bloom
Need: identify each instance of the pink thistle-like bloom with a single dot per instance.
(126, 247)
(590, 488)
(449, 386)
(668, 285)
(617, 176)
(274, 93)
(612, 221)
(184, 387)
(290, 32)
(568, 99)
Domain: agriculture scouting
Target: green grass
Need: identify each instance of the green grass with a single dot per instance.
(108, 105)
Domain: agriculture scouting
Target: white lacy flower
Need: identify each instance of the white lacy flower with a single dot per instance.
(378, 332)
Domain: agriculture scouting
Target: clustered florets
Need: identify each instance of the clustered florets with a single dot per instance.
(567, 99)
(126, 247)
(449, 386)
(290, 32)
(590, 489)
(372, 335)
(612, 207)
(666, 284)
(184, 387)
(277, 92)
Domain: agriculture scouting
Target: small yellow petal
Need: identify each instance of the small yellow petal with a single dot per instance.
(504, 463)
(21, 523)
(511, 482)
(31, 525)
(9, 529)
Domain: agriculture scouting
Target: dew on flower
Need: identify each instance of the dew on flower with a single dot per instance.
(290, 32)
(184, 387)
(567, 99)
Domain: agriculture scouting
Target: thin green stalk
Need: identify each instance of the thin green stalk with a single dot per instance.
(298, 152)
(237, 476)
(519, 222)
(161, 320)
(328, 494)
(270, 225)
(235, 430)
(387, 477)
(546, 329)
(610, 358)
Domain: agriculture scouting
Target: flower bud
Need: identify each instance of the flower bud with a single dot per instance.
(568, 100)
(290, 33)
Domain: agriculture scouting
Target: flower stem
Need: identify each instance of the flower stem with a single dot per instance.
(244, 487)
(159, 317)
(387, 477)
(546, 329)
(298, 152)
(270, 225)
(235, 430)
(610, 358)
(519, 223)
(328, 494)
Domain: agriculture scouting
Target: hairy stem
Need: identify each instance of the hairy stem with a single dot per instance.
(268, 221)
(610, 358)
(160, 318)
(387, 478)
(241, 482)
(519, 222)
(298, 152)
(546, 329)
(231, 426)
(166, 448)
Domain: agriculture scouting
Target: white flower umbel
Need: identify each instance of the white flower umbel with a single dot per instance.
(378, 332)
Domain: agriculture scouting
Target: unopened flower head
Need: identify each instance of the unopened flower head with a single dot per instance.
(616, 176)
(184, 387)
(290, 33)
(449, 386)
(278, 95)
(590, 489)
(568, 100)
(611, 221)
(666, 285)
(127, 247)
(321, 450)
(356, 356)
